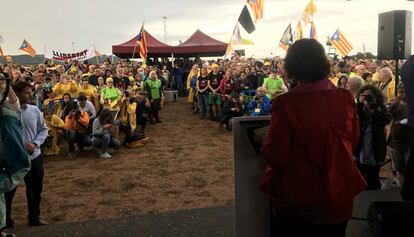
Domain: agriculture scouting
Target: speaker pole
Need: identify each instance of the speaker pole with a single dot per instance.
(397, 77)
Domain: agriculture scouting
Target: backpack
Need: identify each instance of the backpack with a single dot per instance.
(193, 82)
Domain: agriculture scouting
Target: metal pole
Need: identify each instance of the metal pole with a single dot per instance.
(165, 28)
(397, 77)
(73, 46)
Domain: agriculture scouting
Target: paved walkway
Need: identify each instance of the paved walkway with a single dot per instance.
(217, 221)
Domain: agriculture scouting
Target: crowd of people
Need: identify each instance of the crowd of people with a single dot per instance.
(89, 104)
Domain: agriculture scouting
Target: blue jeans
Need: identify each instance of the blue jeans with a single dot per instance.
(203, 104)
(82, 139)
(104, 142)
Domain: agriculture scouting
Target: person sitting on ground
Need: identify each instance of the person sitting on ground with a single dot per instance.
(260, 104)
(88, 90)
(101, 133)
(138, 110)
(76, 126)
(232, 108)
(53, 123)
(61, 106)
(86, 106)
(65, 85)
(111, 97)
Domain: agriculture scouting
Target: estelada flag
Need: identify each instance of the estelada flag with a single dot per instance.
(28, 48)
(142, 41)
(340, 43)
(257, 6)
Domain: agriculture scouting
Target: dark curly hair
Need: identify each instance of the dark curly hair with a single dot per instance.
(306, 61)
(379, 97)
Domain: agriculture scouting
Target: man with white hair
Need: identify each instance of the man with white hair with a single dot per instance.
(360, 69)
(260, 104)
(354, 85)
(387, 84)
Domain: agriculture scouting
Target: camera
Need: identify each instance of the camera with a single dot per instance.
(126, 93)
(369, 99)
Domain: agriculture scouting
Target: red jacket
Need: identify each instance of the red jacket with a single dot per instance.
(310, 172)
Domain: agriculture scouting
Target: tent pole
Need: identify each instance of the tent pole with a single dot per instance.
(133, 53)
(172, 60)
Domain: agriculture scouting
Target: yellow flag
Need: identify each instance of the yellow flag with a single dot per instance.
(298, 33)
(311, 8)
(246, 41)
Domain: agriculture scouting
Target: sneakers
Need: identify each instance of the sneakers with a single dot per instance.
(105, 155)
(72, 155)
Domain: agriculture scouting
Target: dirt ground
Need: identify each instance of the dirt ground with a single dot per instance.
(188, 163)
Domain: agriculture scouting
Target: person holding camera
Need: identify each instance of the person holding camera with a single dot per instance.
(86, 106)
(35, 133)
(260, 105)
(76, 126)
(232, 108)
(372, 148)
(101, 133)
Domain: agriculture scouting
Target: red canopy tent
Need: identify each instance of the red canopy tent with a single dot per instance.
(154, 46)
(202, 45)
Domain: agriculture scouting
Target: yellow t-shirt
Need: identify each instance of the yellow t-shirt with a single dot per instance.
(89, 92)
(72, 88)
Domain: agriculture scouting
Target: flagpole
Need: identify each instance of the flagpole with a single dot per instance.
(96, 56)
(44, 54)
(135, 47)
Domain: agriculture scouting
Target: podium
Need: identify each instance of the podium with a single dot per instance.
(170, 96)
(252, 206)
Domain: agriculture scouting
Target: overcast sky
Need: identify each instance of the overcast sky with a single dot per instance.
(56, 24)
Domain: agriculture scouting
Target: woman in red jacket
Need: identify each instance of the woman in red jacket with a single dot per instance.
(310, 172)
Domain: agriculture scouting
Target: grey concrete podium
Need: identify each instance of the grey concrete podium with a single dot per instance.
(252, 206)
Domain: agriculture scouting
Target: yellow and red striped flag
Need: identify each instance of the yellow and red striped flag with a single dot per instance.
(142, 42)
(340, 43)
(28, 48)
(257, 6)
(1, 52)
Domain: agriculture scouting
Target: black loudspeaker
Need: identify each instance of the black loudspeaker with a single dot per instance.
(391, 218)
(394, 34)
